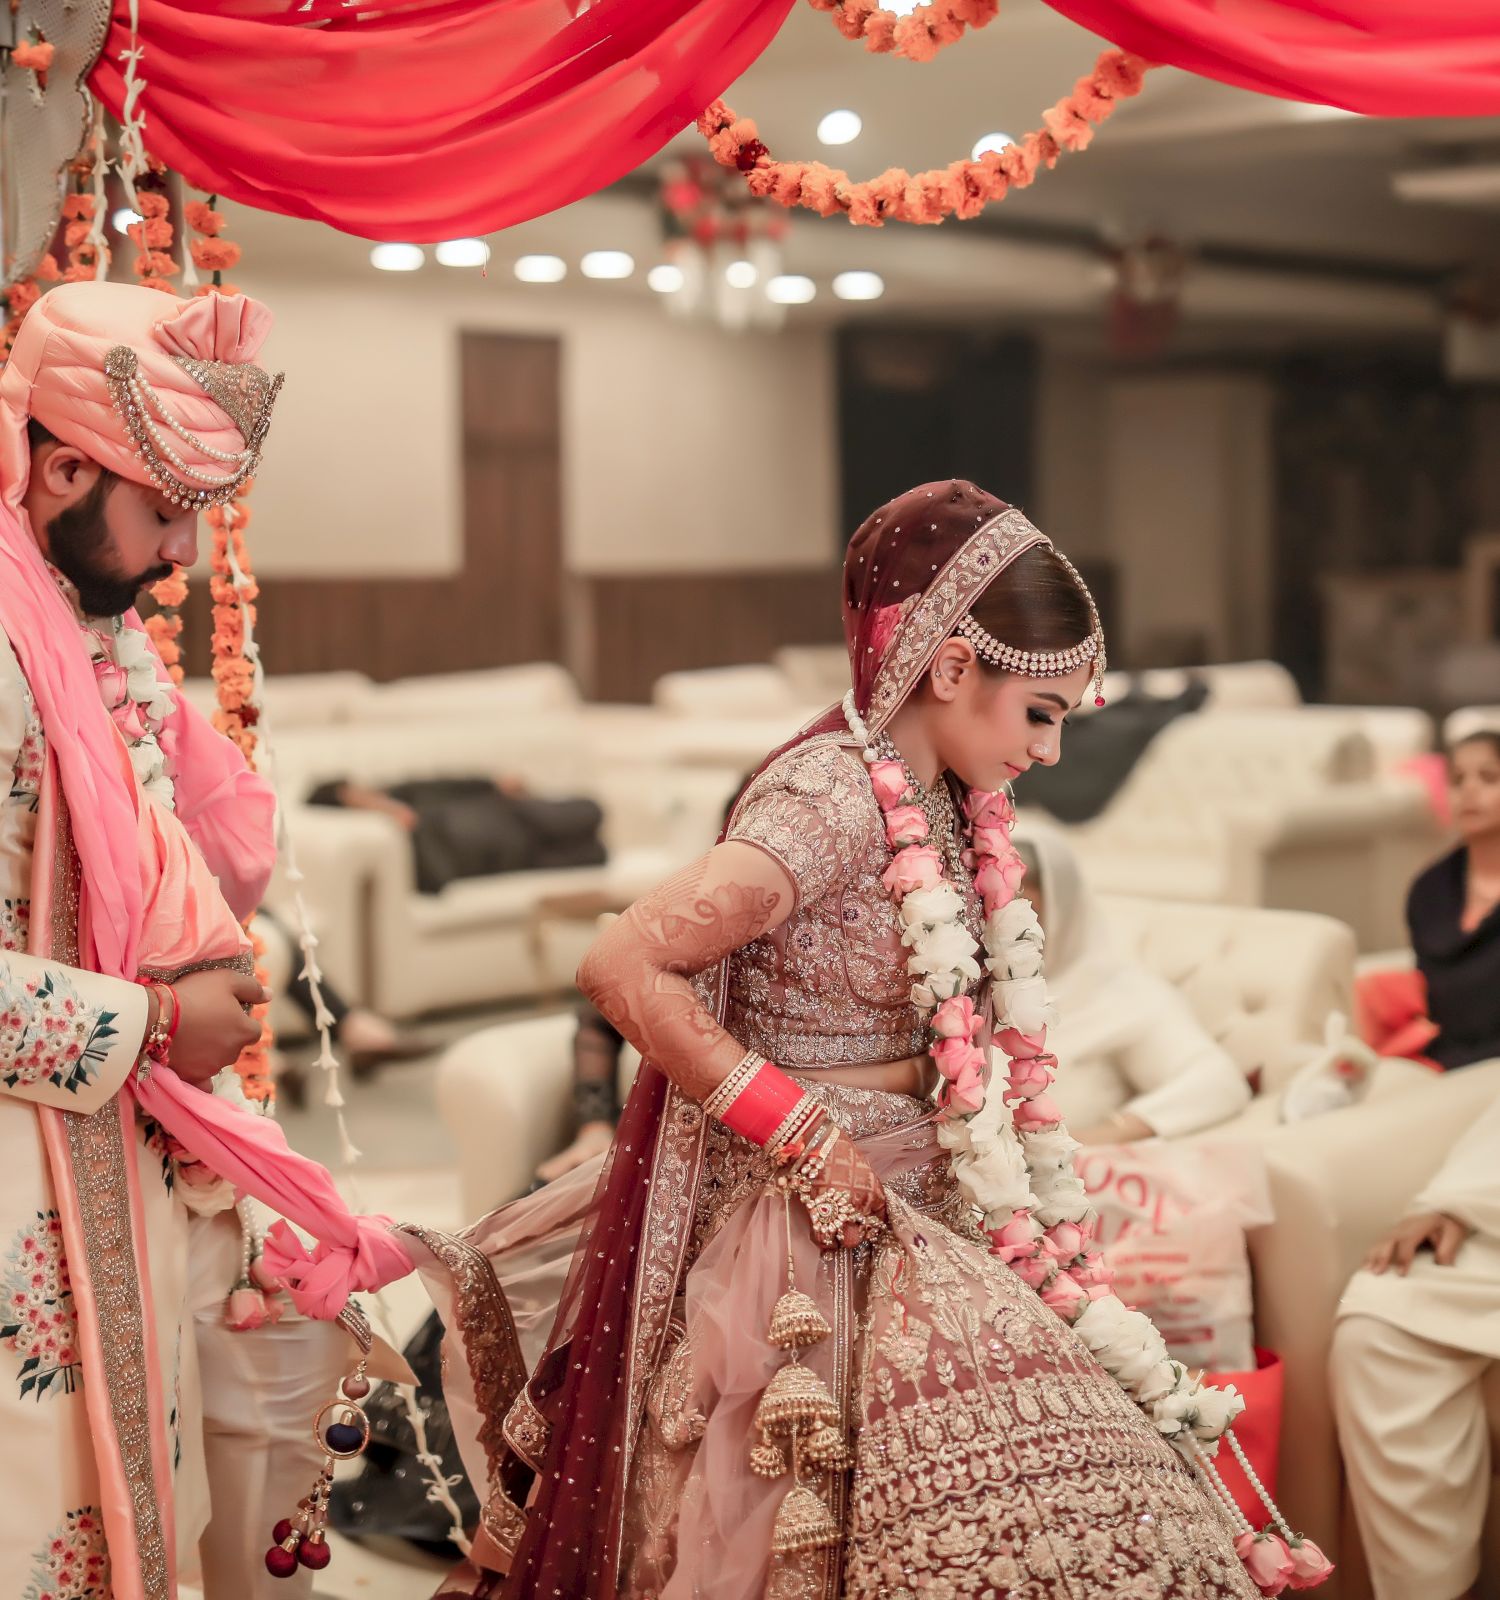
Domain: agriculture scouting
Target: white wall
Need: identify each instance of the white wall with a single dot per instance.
(684, 447)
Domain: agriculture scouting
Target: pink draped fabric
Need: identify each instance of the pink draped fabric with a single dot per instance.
(1385, 58)
(424, 119)
(427, 119)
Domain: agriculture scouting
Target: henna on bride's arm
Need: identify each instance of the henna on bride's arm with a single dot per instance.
(639, 971)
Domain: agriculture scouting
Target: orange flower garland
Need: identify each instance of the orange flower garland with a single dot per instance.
(962, 189)
(210, 252)
(165, 628)
(919, 35)
(155, 266)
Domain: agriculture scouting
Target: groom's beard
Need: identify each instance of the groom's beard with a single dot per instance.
(78, 542)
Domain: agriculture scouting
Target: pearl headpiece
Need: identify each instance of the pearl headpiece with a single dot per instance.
(1044, 663)
(243, 392)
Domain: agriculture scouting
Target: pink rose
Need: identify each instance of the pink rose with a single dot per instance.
(1028, 1079)
(245, 1310)
(1033, 1270)
(918, 866)
(131, 720)
(891, 787)
(1021, 1046)
(261, 1276)
(1310, 1566)
(1064, 1297)
(1065, 1240)
(1034, 1115)
(954, 1057)
(989, 810)
(113, 682)
(999, 879)
(1017, 1238)
(275, 1309)
(956, 1018)
(905, 825)
(965, 1092)
(991, 841)
(1267, 1560)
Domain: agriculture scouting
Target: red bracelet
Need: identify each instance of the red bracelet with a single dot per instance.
(759, 1101)
(176, 1013)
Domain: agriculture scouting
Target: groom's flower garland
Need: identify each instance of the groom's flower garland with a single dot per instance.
(1012, 1156)
(138, 702)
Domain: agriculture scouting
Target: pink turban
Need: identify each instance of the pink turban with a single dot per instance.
(56, 373)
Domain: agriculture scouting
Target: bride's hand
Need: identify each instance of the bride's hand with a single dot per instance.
(843, 1193)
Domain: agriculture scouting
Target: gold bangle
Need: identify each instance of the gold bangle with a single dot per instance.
(796, 1120)
(733, 1085)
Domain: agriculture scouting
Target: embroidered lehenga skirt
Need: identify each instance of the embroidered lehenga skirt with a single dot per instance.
(989, 1454)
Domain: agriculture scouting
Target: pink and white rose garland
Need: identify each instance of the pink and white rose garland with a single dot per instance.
(138, 701)
(1012, 1156)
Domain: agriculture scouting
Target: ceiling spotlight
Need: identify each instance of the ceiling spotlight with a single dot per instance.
(124, 218)
(859, 286)
(740, 275)
(791, 289)
(839, 127)
(541, 269)
(607, 264)
(665, 278)
(462, 253)
(991, 141)
(397, 257)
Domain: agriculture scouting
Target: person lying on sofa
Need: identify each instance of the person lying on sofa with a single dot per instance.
(476, 827)
(1418, 1335)
(1136, 1062)
(1445, 1012)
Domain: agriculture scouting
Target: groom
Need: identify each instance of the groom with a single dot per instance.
(123, 413)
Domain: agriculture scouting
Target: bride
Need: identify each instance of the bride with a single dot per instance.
(829, 1321)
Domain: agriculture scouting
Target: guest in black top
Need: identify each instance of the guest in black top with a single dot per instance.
(1453, 913)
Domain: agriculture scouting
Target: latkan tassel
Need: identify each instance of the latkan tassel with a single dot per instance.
(802, 1523)
(796, 1321)
(768, 1460)
(825, 1449)
(795, 1399)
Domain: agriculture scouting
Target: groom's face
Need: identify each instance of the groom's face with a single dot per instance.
(109, 537)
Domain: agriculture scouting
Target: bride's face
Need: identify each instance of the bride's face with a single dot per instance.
(994, 727)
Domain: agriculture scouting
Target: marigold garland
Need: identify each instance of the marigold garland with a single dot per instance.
(165, 627)
(961, 189)
(210, 252)
(919, 35)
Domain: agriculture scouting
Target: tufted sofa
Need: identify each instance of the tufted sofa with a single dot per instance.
(1266, 808)
(1470, 719)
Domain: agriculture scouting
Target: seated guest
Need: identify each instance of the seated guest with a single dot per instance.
(1417, 1337)
(1135, 1061)
(596, 1097)
(1453, 914)
(476, 827)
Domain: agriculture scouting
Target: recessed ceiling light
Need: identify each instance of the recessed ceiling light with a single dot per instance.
(397, 257)
(740, 274)
(541, 269)
(791, 289)
(839, 127)
(991, 141)
(665, 278)
(859, 286)
(462, 253)
(124, 218)
(607, 264)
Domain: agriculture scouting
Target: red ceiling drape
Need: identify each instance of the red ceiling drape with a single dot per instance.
(430, 119)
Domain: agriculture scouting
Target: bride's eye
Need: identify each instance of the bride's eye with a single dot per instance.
(1034, 714)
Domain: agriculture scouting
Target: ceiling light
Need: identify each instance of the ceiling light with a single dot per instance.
(858, 286)
(839, 127)
(991, 141)
(791, 289)
(665, 278)
(541, 269)
(902, 8)
(397, 257)
(607, 264)
(462, 253)
(124, 218)
(740, 275)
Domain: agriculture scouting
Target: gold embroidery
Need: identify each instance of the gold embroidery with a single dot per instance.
(669, 1396)
(527, 1431)
(945, 601)
(503, 1521)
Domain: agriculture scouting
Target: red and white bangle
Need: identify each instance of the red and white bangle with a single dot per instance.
(157, 1044)
(760, 1102)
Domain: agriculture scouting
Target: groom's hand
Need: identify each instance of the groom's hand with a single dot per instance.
(215, 1026)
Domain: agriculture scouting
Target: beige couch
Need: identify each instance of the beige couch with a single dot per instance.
(1264, 808)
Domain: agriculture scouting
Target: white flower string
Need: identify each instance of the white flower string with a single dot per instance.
(439, 1484)
(138, 702)
(1012, 1156)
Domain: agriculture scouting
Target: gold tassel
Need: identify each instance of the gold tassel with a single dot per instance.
(795, 1398)
(796, 1321)
(825, 1450)
(768, 1460)
(803, 1523)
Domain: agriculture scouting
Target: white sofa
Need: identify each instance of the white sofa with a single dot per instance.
(1470, 719)
(1281, 809)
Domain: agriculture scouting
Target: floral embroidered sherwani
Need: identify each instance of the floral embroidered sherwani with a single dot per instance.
(68, 1039)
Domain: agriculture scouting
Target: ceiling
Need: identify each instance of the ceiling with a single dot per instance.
(1290, 212)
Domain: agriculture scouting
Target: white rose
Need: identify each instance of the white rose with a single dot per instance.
(998, 1183)
(1173, 1413)
(1159, 1382)
(929, 907)
(923, 997)
(949, 948)
(132, 648)
(1100, 1321)
(1024, 1003)
(1217, 1408)
(1022, 959)
(1016, 920)
(1051, 1148)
